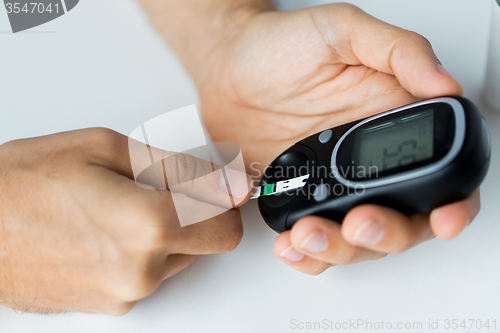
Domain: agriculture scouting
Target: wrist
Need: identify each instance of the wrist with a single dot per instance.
(200, 32)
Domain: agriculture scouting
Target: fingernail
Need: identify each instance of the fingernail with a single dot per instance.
(369, 233)
(469, 221)
(442, 70)
(315, 242)
(291, 254)
(237, 184)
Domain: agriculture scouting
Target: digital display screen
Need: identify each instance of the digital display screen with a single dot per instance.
(395, 143)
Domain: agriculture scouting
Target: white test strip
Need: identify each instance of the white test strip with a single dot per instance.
(282, 186)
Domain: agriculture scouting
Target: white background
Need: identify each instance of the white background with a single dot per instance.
(102, 64)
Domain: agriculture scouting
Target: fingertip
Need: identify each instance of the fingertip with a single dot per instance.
(448, 221)
(237, 184)
(281, 242)
(355, 218)
(430, 80)
(303, 227)
(384, 229)
(284, 249)
(315, 231)
(445, 83)
(419, 71)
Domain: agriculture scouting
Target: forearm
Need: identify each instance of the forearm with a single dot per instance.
(194, 28)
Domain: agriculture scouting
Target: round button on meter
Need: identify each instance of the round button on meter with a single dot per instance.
(325, 136)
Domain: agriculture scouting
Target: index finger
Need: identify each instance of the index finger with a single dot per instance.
(198, 179)
(191, 176)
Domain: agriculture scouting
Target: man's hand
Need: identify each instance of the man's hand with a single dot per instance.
(269, 79)
(78, 234)
(287, 75)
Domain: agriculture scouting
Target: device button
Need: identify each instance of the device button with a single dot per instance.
(325, 136)
(321, 193)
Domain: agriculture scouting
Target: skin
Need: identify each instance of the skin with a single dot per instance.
(77, 233)
(268, 79)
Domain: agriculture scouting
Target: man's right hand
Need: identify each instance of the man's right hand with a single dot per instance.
(78, 234)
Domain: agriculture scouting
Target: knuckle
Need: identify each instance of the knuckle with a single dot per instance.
(158, 237)
(416, 37)
(180, 168)
(233, 232)
(9, 146)
(330, 12)
(403, 242)
(136, 267)
(121, 309)
(146, 240)
(135, 285)
(101, 137)
(346, 256)
(347, 8)
(319, 268)
(233, 238)
(379, 255)
(101, 134)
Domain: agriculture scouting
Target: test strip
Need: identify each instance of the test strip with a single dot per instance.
(282, 186)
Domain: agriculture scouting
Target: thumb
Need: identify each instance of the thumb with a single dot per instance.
(391, 50)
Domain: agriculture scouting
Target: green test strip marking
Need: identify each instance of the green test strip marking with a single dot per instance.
(268, 189)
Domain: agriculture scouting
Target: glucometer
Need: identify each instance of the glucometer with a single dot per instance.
(413, 159)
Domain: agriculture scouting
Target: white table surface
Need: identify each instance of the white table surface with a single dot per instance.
(103, 65)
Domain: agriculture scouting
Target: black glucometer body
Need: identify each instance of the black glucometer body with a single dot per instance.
(413, 159)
